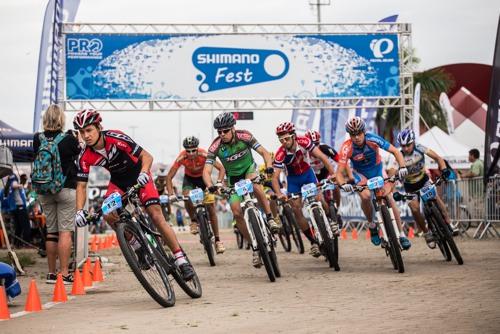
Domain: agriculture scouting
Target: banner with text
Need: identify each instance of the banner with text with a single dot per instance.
(158, 66)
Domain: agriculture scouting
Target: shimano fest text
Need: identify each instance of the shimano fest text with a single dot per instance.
(223, 68)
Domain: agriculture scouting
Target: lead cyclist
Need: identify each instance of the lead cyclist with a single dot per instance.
(233, 148)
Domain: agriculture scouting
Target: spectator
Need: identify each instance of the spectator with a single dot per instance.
(477, 166)
(14, 200)
(59, 208)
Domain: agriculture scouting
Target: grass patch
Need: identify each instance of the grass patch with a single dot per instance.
(26, 259)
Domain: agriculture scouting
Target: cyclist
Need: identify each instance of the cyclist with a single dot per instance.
(293, 156)
(363, 150)
(417, 178)
(161, 186)
(233, 148)
(193, 159)
(268, 189)
(128, 163)
(319, 168)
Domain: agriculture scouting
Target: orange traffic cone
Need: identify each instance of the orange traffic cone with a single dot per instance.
(33, 303)
(93, 245)
(411, 233)
(115, 239)
(59, 291)
(109, 241)
(78, 288)
(343, 234)
(4, 309)
(354, 234)
(98, 277)
(2, 240)
(368, 236)
(86, 275)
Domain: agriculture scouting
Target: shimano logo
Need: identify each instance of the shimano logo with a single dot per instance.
(381, 47)
(84, 48)
(228, 58)
(223, 68)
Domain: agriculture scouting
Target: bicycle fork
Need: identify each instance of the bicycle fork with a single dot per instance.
(250, 229)
(314, 223)
(380, 222)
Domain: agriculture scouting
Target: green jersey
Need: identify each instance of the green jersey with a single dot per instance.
(236, 156)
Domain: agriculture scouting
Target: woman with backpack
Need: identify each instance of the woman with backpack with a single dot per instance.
(54, 180)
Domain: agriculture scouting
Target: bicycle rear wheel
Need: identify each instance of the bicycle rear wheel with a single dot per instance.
(150, 272)
(394, 250)
(192, 287)
(284, 234)
(261, 245)
(205, 237)
(333, 217)
(295, 229)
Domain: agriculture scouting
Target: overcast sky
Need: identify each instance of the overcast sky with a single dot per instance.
(444, 31)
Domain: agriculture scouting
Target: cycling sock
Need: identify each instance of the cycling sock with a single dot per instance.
(179, 257)
(402, 234)
(269, 216)
(309, 235)
(217, 239)
(372, 225)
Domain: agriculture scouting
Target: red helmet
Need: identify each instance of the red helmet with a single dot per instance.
(285, 127)
(313, 135)
(86, 117)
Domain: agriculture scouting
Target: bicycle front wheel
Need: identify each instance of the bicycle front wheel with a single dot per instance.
(284, 234)
(327, 242)
(205, 237)
(146, 265)
(295, 229)
(264, 255)
(446, 233)
(394, 250)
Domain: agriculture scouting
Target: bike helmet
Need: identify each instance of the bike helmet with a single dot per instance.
(314, 136)
(406, 137)
(86, 117)
(224, 121)
(190, 142)
(284, 128)
(355, 125)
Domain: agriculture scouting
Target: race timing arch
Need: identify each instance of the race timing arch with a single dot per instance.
(237, 67)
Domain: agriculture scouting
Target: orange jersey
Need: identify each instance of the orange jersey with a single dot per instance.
(193, 166)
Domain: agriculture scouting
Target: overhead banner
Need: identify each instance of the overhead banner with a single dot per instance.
(158, 66)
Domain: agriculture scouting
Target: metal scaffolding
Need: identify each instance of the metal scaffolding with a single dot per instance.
(404, 102)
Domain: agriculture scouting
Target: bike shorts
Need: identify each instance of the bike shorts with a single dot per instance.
(232, 179)
(190, 183)
(148, 194)
(415, 187)
(295, 182)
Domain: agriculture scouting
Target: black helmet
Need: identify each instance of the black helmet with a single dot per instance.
(190, 142)
(224, 121)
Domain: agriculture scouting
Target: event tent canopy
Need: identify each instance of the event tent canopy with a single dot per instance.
(446, 146)
(21, 143)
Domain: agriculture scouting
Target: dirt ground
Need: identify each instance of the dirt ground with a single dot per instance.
(366, 296)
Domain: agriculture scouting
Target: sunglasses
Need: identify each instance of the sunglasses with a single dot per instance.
(406, 145)
(193, 150)
(284, 139)
(223, 131)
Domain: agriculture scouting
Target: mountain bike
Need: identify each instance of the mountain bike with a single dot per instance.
(319, 224)
(291, 229)
(207, 238)
(261, 237)
(142, 247)
(328, 188)
(385, 219)
(435, 220)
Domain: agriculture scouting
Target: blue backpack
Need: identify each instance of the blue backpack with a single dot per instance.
(47, 176)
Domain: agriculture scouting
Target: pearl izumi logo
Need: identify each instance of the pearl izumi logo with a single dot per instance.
(223, 68)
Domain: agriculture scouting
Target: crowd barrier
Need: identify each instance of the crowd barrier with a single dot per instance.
(469, 207)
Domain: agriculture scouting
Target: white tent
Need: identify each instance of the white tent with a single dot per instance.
(446, 146)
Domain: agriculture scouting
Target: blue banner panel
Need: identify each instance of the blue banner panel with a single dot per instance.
(158, 66)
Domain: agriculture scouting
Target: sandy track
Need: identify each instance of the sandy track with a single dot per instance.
(365, 296)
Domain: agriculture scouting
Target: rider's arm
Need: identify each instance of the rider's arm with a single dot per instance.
(437, 158)
(324, 159)
(266, 155)
(221, 169)
(340, 174)
(276, 181)
(146, 161)
(170, 176)
(81, 194)
(207, 175)
(398, 155)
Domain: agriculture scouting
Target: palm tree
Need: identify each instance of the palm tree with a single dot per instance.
(433, 83)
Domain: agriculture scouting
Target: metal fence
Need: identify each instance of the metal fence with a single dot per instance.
(474, 211)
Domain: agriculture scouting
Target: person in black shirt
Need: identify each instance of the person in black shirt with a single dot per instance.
(60, 208)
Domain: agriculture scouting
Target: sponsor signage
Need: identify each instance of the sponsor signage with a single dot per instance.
(159, 66)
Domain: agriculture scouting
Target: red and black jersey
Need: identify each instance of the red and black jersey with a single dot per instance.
(120, 157)
(296, 162)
